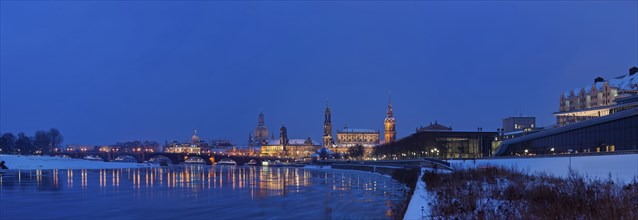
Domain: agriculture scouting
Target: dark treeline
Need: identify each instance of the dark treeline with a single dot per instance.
(42, 142)
(356, 151)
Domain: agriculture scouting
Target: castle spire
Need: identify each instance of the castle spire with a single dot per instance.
(389, 113)
(283, 135)
(327, 126)
(327, 115)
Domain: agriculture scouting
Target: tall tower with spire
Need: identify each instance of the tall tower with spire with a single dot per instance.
(261, 132)
(283, 136)
(327, 127)
(390, 133)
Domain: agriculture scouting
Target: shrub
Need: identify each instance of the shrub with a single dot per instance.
(499, 193)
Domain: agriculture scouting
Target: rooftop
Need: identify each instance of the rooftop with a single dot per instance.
(291, 142)
(357, 130)
(624, 82)
(435, 127)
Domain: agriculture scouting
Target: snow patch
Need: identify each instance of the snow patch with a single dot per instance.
(20, 162)
(618, 167)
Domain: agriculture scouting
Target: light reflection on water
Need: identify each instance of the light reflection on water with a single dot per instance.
(225, 192)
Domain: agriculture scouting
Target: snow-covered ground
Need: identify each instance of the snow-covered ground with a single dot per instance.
(621, 167)
(16, 162)
(418, 207)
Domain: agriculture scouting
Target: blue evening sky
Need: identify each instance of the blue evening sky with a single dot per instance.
(108, 71)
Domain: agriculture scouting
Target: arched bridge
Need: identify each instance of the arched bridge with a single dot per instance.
(173, 158)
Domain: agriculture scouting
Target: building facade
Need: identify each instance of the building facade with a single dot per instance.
(440, 141)
(595, 100)
(350, 137)
(614, 132)
(289, 148)
(196, 146)
(513, 124)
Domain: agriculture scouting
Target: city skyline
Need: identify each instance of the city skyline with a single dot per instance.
(104, 73)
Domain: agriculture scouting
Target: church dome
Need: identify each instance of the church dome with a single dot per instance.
(195, 138)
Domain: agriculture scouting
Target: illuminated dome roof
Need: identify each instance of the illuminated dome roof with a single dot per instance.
(195, 139)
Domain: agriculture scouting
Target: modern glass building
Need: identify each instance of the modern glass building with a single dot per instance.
(614, 132)
(441, 142)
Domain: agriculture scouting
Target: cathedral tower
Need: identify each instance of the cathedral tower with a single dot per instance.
(283, 135)
(261, 132)
(390, 133)
(327, 127)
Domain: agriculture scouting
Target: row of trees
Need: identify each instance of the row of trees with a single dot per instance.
(42, 142)
(354, 152)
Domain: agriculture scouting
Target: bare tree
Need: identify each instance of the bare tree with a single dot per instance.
(56, 138)
(7, 143)
(356, 151)
(24, 144)
(42, 141)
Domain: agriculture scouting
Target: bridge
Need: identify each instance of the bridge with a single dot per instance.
(176, 158)
(170, 158)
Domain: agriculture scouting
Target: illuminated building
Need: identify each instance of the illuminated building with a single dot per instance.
(602, 117)
(261, 133)
(349, 137)
(614, 132)
(390, 133)
(514, 127)
(512, 124)
(596, 100)
(440, 141)
(194, 147)
(290, 148)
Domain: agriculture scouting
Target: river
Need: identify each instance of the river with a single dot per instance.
(199, 192)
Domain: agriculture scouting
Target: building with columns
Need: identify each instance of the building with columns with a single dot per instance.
(350, 137)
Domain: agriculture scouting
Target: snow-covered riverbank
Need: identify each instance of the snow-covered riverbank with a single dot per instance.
(623, 168)
(619, 167)
(20, 162)
(418, 207)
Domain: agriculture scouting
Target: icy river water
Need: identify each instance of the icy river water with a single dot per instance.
(198, 192)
